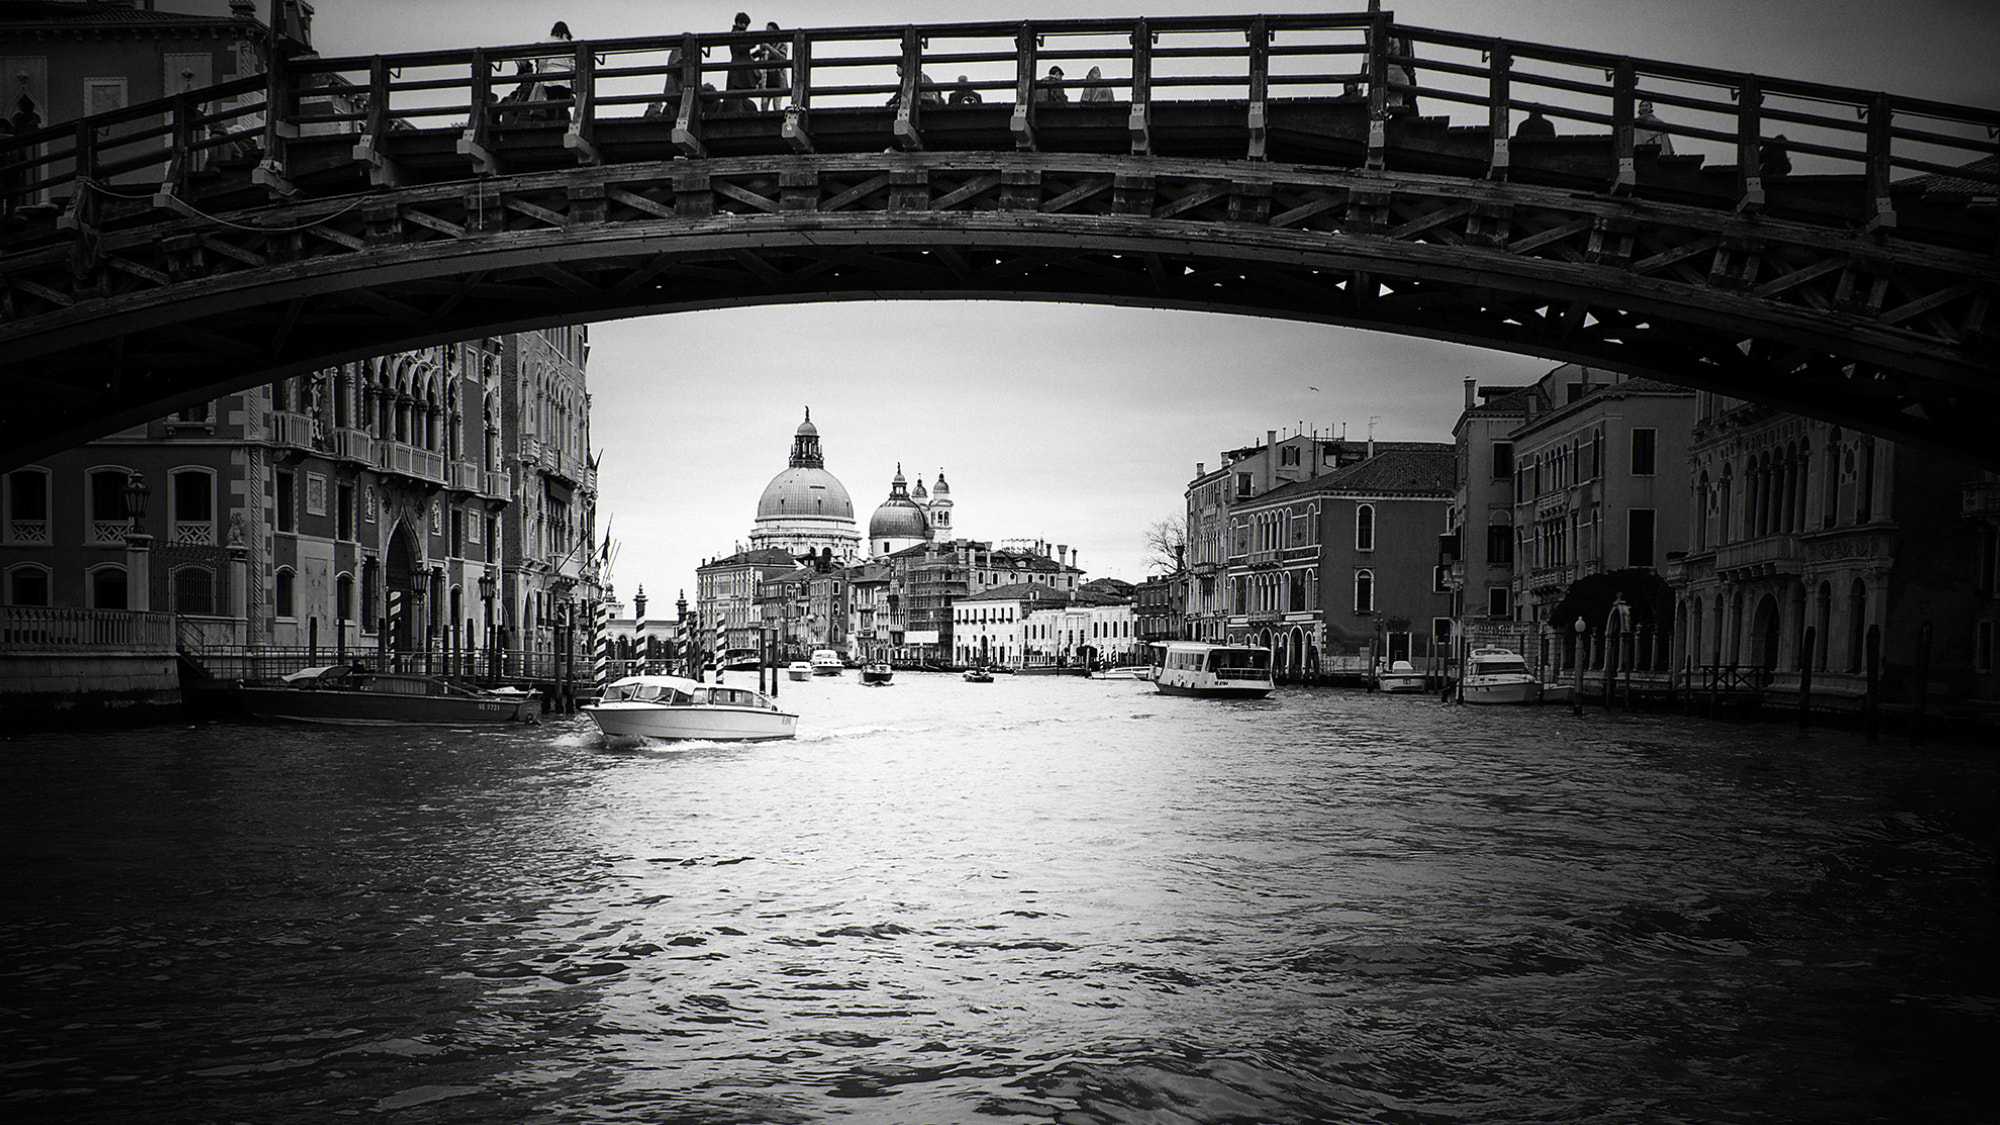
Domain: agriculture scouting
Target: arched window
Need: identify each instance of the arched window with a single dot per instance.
(27, 501)
(283, 594)
(343, 597)
(1701, 509)
(1364, 527)
(1723, 532)
(28, 584)
(1857, 624)
(1364, 591)
(193, 492)
(107, 587)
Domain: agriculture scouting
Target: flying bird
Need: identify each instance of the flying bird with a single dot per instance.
(1312, 388)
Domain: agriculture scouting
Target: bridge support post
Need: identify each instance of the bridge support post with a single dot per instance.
(1140, 122)
(798, 192)
(1499, 68)
(1132, 195)
(1022, 122)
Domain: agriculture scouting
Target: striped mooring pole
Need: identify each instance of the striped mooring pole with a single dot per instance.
(600, 645)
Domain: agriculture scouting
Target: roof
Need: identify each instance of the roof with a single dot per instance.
(1943, 183)
(1017, 592)
(1429, 471)
(761, 556)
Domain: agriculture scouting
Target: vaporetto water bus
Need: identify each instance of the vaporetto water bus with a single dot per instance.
(1200, 668)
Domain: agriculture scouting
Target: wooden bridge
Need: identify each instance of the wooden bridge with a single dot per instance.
(1830, 251)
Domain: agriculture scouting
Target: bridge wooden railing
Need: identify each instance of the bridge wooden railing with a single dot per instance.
(157, 150)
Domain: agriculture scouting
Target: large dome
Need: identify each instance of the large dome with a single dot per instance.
(805, 492)
(805, 508)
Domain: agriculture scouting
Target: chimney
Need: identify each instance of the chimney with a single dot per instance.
(1471, 393)
(1270, 460)
(1062, 553)
(1200, 467)
(639, 603)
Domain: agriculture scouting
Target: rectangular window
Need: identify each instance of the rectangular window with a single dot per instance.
(344, 513)
(1440, 580)
(1288, 456)
(1644, 443)
(315, 494)
(1242, 486)
(1503, 460)
(1639, 537)
(1499, 603)
(287, 502)
(1499, 545)
(457, 533)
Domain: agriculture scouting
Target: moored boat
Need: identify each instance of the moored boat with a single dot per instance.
(1400, 676)
(1498, 675)
(877, 673)
(1223, 671)
(672, 708)
(353, 694)
(826, 662)
(978, 676)
(799, 670)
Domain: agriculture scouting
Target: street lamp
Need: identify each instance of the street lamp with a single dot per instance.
(136, 494)
(1576, 695)
(486, 590)
(138, 571)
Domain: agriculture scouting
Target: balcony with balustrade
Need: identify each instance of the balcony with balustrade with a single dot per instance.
(1981, 501)
(1762, 557)
(410, 461)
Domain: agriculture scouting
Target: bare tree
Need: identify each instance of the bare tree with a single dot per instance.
(1166, 542)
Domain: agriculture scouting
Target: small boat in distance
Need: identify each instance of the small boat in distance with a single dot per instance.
(1400, 676)
(1124, 672)
(672, 708)
(978, 676)
(1498, 675)
(354, 694)
(799, 670)
(1200, 668)
(826, 662)
(877, 673)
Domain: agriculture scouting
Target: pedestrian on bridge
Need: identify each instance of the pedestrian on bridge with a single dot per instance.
(776, 77)
(1648, 129)
(558, 71)
(1050, 90)
(963, 93)
(1093, 92)
(743, 73)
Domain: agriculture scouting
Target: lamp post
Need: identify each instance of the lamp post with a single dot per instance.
(486, 585)
(138, 579)
(1576, 698)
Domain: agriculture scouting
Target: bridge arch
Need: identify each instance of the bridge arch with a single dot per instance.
(367, 228)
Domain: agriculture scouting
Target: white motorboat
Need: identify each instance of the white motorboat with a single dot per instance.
(669, 707)
(1199, 668)
(826, 662)
(1498, 675)
(1401, 676)
(799, 670)
(877, 673)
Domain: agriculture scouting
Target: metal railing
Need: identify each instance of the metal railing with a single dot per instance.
(686, 84)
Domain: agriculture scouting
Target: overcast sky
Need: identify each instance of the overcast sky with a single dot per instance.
(1071, 423)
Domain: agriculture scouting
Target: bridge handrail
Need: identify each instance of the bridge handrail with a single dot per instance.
(123, 145)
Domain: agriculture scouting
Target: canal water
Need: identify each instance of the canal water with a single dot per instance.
(1036, 900)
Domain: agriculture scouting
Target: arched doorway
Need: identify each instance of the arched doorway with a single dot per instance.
(1764, 634)
(400, 586)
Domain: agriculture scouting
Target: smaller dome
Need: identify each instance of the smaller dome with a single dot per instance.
(940, 488)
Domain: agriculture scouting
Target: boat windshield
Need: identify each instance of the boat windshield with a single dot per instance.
(1502, 666)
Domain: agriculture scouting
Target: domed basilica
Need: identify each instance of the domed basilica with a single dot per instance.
(805, 509)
